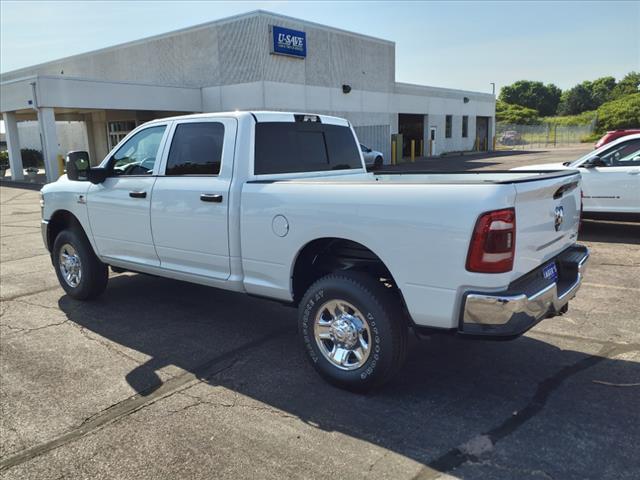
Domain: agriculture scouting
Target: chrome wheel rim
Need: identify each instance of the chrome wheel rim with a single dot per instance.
(70, 265)
(342, 334)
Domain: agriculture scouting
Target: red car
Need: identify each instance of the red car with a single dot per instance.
(612, 135)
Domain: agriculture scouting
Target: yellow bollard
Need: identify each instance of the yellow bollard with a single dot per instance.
(60, 159)
(494, 142)
(413, 151)
(393, 152)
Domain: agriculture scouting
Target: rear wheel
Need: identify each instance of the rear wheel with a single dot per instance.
(377, 163)
(79, 271)
(353, 330)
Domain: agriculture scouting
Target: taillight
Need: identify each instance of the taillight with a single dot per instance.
(493, 243)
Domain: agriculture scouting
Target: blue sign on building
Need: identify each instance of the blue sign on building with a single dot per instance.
(285, 41)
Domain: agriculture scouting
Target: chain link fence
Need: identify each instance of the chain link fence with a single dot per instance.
(509, 137)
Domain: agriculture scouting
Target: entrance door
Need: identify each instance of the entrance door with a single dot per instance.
(432, 141)
(411, 126)
(119, 207)
(190, 207)
(482, 133)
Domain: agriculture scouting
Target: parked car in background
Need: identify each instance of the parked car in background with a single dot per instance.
(613, 135)
(510, 137)
(372, 158)
(610, 177)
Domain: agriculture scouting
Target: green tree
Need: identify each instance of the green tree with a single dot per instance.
(589, 95)
(630, 84)
(576, 100)
(531, 94)
(621, 113)
(516, 114)
(602, 90)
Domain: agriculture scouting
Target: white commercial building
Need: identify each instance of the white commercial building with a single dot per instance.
(254, 61)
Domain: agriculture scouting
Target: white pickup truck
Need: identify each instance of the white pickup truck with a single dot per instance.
(280, 205)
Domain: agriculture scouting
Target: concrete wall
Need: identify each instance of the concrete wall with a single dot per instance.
(227, 65)
(235, 51)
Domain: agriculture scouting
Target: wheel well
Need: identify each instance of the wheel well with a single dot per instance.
(61, 220)
(326, 255)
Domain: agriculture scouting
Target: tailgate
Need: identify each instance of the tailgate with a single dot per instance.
(547, 219)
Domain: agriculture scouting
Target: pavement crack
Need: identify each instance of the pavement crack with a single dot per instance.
(108, 345)
(27, 331)
(234, 404)
(462, 454)
(28, 294)
(118, 411)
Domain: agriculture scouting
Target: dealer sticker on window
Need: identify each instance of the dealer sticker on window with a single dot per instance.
(550, 272)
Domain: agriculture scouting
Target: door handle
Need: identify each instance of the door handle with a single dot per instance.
(211, 197)
(138, 194)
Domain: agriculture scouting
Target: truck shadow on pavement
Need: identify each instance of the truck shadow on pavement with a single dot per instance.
(450, 393)
(609, 232)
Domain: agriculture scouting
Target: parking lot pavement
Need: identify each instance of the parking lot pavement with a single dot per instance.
(162, 379)
(500, 160)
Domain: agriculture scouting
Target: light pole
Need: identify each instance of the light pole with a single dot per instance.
(493, 88)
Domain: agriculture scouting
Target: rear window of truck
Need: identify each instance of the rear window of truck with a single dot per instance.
(288, 147)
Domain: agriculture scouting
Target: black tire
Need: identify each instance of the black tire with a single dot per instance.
(377, 163)
(386, 323)
(94, 274)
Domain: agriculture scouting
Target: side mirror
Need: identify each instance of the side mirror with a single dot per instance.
(594, 162)
(97, 174)
(77, 165)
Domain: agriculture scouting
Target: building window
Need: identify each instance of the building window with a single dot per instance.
(118, 130)
(465, 126)
(448, 125)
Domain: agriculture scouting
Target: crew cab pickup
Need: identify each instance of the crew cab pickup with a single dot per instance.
(280, 205)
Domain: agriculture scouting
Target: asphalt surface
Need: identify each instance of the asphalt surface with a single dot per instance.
(160, 379)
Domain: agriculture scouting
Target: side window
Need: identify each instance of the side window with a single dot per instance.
(625, 154)
(196, 149)
(448, 125)
(137, 156)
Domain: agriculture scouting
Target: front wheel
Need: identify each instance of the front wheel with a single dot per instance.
(353, 330)
(80, 273)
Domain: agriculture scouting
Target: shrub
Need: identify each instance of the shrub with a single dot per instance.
(31, 158)
(592, 138)
(4, 159)
(516, 114)
(621, 113)
(584, 118)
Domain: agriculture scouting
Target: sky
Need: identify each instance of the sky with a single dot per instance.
(463, 45)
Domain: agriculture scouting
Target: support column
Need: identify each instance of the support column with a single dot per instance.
(100, 143)
(49, 140)
(91, 144)
(13, 145)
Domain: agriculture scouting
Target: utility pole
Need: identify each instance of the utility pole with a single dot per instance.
(493, 88)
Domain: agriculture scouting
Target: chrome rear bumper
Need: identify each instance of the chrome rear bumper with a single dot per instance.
(524, 303)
